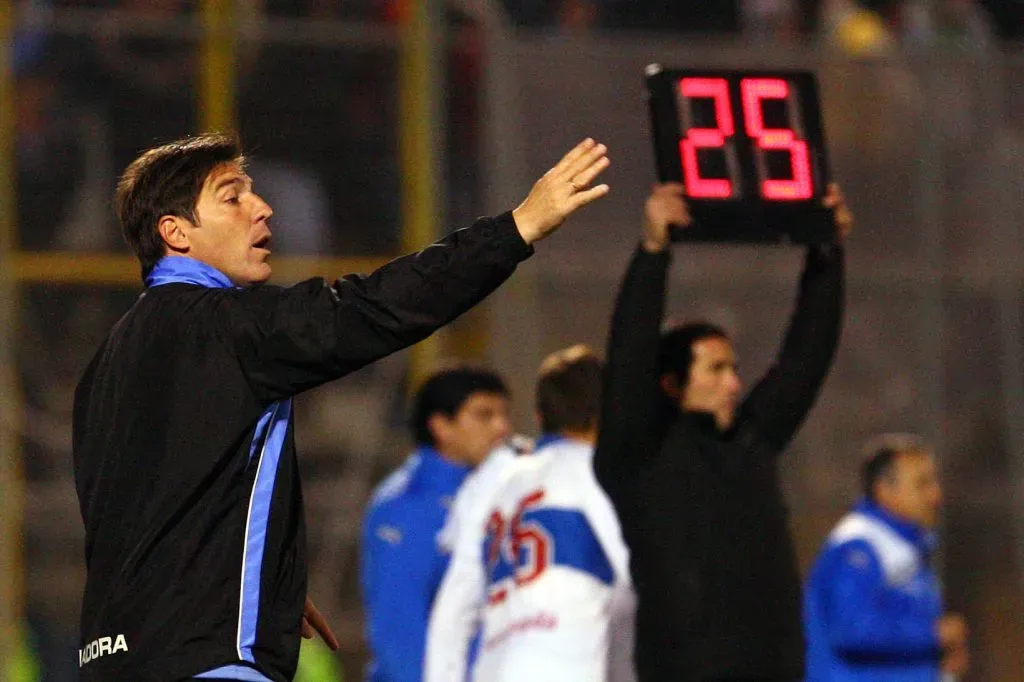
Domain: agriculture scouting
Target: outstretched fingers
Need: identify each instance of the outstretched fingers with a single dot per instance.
(584, 177)
(562, 190)
(562, 167)
(584, 197)
(577, 171)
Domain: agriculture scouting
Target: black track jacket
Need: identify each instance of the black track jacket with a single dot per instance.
(701, 510)
(185, 472)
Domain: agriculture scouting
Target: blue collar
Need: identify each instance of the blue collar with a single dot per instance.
(547, 439)
(440, 471)
(184, 270)
(924, 540)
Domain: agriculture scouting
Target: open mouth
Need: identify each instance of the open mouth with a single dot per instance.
(262, 243)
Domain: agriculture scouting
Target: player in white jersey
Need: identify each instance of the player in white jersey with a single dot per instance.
(546, 572)
(455, 614)
(471, 505)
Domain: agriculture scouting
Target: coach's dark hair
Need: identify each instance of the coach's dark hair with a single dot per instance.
(675, 351)
(167, 180)
(446, 391)
(880, 455)
(569, 390)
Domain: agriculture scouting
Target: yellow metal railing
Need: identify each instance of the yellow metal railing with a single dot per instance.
(114, 270)
(421, 56)
(11, 485)
(418, 148)
(217, 66)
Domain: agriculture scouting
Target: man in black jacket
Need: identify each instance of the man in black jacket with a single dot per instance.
(692, 470)
(184, 449)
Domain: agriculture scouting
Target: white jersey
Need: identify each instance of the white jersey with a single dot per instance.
(455, 614)
(559, 602)
(473, 501)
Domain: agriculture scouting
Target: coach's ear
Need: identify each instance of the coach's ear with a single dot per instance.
(174, 231)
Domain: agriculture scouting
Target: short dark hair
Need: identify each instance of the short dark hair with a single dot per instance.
(569, 390)
(675, 351)
(167, 180)
(880, 456)
(445, 392)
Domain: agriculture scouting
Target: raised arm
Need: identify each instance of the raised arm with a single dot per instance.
(630, 419)
(458, 606)
(779, 403)
(301, 337)
(455, 614)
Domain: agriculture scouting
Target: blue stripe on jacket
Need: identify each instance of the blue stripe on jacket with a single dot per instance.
(268, 438)
(256, 527)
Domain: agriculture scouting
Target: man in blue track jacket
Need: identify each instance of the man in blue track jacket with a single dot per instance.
(460, 416)
(873, 609)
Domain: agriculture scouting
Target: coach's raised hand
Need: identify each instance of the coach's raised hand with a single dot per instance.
(562, 190)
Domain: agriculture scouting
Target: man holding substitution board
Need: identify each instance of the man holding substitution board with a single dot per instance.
(692, 468)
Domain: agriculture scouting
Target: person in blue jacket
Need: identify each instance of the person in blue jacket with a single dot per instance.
(873, 609)
(460, 415)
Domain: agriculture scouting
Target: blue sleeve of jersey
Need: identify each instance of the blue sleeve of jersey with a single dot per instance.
(440, 566)
(395, 625)
(866, 621)
(401, 570)
(370, 561)
(368, 557)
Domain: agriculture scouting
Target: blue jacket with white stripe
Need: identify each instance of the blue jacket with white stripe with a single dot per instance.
(402, 564)
(872, 602)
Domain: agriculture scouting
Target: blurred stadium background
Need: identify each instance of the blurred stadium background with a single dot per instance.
(377, 125)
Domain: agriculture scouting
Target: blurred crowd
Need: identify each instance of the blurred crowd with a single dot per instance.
(859, 26)
(93, 93)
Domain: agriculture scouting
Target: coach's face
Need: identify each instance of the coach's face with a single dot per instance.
(231, 232)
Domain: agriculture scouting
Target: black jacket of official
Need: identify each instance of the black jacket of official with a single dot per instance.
(172, 448)
(702, 510)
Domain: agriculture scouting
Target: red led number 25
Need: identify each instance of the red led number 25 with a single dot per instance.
(753, 92)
